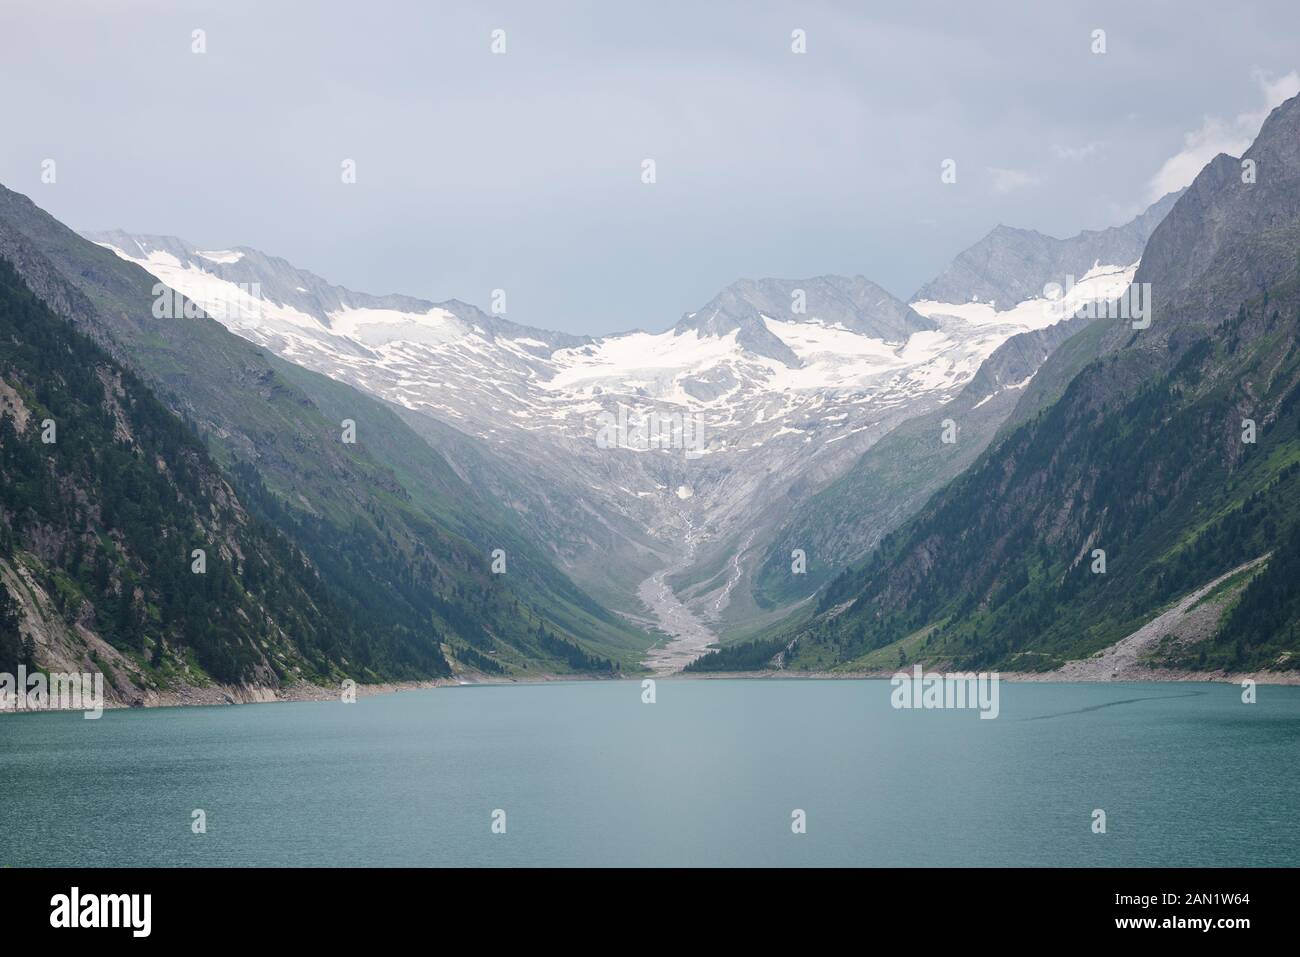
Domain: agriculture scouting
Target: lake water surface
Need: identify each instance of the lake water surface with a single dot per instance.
(708, 775)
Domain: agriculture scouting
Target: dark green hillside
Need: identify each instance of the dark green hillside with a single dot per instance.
(105, 518)
(1163, 483)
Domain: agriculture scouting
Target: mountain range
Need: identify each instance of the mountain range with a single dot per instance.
(1148, 517)
(791, 382)
(799, 474)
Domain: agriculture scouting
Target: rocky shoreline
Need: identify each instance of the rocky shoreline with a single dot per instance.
(1044, 677)
(215, 695)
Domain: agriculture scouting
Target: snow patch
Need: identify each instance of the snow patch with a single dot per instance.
(223, 256)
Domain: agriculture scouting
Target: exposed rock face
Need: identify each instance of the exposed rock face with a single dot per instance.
(1228, 239)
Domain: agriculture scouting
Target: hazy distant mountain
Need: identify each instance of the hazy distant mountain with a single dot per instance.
(298, 293)
(855, 304)
(1011, 265)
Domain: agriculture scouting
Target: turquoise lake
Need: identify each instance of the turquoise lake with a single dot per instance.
(587, 774)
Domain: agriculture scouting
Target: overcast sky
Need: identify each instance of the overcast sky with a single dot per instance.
(523, 170)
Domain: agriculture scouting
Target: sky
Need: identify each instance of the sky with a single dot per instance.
(524, 170)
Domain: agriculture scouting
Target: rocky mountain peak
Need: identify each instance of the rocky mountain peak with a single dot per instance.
(1236, 231)
(852, 303)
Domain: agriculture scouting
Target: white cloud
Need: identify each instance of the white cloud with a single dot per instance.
(1006, 180)
(1218, 135)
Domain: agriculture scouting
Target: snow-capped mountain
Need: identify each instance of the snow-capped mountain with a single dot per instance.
(638, 457)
